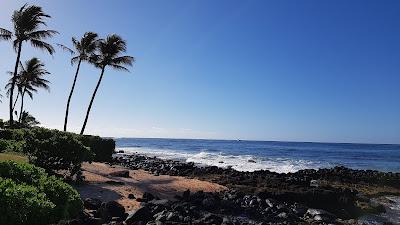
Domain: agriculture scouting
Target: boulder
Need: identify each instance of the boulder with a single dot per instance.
(114, 209)
(121, 173)
(92, 203)
(142, 214)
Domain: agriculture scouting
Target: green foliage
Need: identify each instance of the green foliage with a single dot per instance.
(101, 147)
(11, 145)
(56, 151)
(16, 134)
(23, 204)
(29, 196)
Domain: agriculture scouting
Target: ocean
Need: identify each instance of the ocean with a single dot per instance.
(281, 157)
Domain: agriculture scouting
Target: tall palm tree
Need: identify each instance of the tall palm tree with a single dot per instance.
(109, 54)
(27, 22)
(29, 79)
(83, 49)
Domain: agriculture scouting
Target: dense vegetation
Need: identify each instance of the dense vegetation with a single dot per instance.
(55, 150)
(29, 196)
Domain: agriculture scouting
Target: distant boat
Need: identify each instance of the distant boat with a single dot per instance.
(238, 140)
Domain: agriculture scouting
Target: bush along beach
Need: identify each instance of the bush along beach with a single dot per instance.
(29, 196)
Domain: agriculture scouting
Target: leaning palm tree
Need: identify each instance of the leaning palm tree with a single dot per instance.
(27, 22)
(83, 49)
(109, 54)
(29, 79)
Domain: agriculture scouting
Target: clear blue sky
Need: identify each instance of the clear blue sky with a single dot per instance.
(265, 70)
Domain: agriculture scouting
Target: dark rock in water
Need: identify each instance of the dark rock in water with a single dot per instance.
(121, 151)
(122, 173)
(251, 161)
(92, 203)
(142, 214)
(131, 196)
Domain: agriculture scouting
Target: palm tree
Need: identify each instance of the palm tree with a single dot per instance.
(83, 50)
(109, 54)
(26, 21)
(29, 78)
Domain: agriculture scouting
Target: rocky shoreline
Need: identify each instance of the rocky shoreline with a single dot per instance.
(326, 196)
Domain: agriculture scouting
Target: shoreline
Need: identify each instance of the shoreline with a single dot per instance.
(343, 192)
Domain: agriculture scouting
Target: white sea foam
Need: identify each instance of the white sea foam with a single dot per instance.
(238, 162)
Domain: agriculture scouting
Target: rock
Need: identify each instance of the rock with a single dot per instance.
(131, 196)
(209, 203)
(115, 209)
(251, 161)
(122, 173)
(147, 196)
(163, 202)
(186, 194)
(282, 215)
(320, 215)
(92, 203)
(212, 219)
(113, 182)
(142, 214)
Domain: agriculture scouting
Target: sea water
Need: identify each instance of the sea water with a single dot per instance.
(281, 157)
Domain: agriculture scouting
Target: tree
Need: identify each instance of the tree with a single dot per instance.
(27, 22)
(29, 79)
(27, 120)
(109, 55)
(83, 49)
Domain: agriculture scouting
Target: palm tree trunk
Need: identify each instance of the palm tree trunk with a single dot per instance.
(13, 83)
(70, 95)
(91, 101)
(22, 106)
(15, 102)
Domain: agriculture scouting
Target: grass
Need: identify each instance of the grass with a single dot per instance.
(13, 156)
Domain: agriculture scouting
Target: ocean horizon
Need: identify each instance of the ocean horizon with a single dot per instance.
(276, 156)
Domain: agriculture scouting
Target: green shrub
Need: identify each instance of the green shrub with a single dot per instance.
(23, 204)
(56, 151)
(101, 147)
(53, 198)
(13, 134)
(11, 145)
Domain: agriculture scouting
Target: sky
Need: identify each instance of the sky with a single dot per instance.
(326, 71)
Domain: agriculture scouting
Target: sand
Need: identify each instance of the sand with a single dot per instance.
(140, 181)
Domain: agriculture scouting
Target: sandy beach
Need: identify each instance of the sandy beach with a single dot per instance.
(100, 184)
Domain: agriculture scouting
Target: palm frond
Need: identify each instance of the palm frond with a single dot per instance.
(42, 45)
(118, 67)
(66, 49)
(5, 34)
(42, 34)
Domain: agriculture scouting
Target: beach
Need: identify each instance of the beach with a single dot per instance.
(156, 190)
